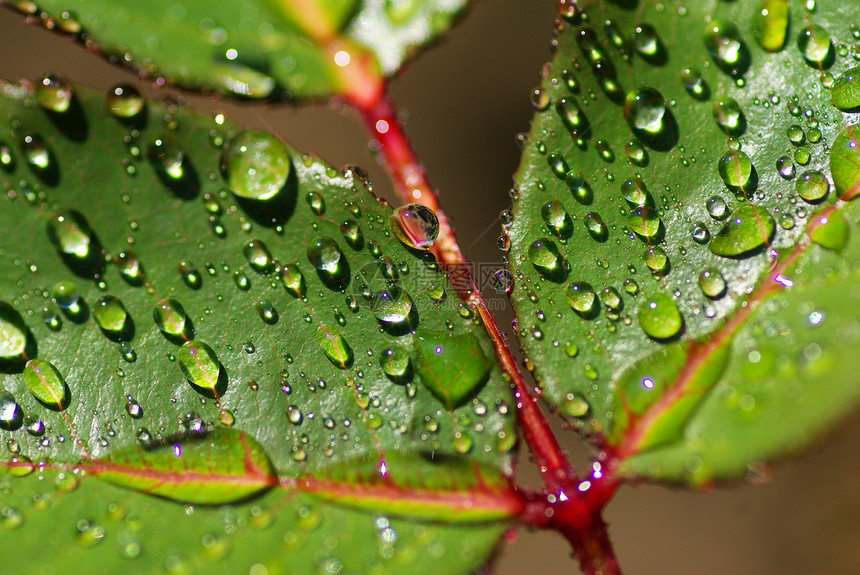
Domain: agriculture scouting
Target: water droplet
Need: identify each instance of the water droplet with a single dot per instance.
(557, 219)
(657, 260)
(171, 319)
(294, 415)
(595, 226)
(737, 171)
(335, 347)
(124, 101)
(241, 280)
(558, 165)
(573, 117)
(729, 116)
(845, 163)
(331, 265)
(11, 414)
(700, 233)
(785, 167)
(111, 316)
(648, 45)
(258, 255)
(727, 48)
(256, 165)
(650, 119)
(750, 229)
(46, 384)
(545, 257)
(201, 367)
(438, 353)
(795, 134)
(130, 268)
(396, 364)
(540, 99)
(583, 299)
(352, 233)
(813, 187)
(846, 90)
(190, 275)
(830, 231)
(393, 306)
(816, 47)
(54, 93)
(293, 279)
(267, 312)
(636, 193)
(636, 153)
(133, 408)
(660, 318)
(170, 158)
(76, 243)
(712, 283)
(36, 152)
(717, 208)
(574, 407)
(16, 341)
(645, 223)
(415, 225)
(770, 24)
(71, 302)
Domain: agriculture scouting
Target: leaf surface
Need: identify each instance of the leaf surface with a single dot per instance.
(682, 240)
(274, 49)
(225, 369)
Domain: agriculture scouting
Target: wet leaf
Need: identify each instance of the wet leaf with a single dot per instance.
(274, 49)
(717, 332)
(182, 318)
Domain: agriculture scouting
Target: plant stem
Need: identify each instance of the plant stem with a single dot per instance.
(411, 183)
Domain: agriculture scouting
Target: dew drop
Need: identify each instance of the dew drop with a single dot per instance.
(201, 367)
(729, 116)
(54, 93)
(170, 158)
(595, 226)
(770, 24)
(845, 92)
(352, 233)
(737, 171)
(650, 119)
(190, 275)
(645, 223)
(712, 283)
(636, 193)
(750, 229)
(648, 45)
(816, 47)
(396, 364)
(335, 347)
(545, 257)
(256, 165)
(124, 101)
(583, 299)
(170, 317)
(845, 162)
(331, 265)
(660, 318)
(11, 414)
(130, 268)
(657, 260)
(830, 231)
(700, 233)
(16, 342)
(572, 117)
(133, 408)
(717, 208)
(267, 312)
(111, 316)
(258, 255)
(46, 384)
(415, 225)
(36, 152)
(293, 279)
(557, 219)
(727, 48)
(636, 153)
(75, 242)
(70, 301)
(813, 187)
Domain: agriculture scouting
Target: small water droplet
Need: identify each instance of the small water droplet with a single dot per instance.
(200, 366)
(130, 268)
(650, 120)
(712, 283)
(46, 384)
(573, 117)
(813, 187)
(717, 208)
(171, 319)
(845, 91)
(111, 316)
(352, 233)
(124, 101)
(727, 48)
(396, 364)
(660, 318)
(335, 347)
(258, 255)
(830, 231)
(11, 414)
(293, 279)
(845, 163)
(729, 116)
(54, 93)
(583, 299)
(76, 243)
(595, 226)
(557, 219)
(545, 257)
(189, 274)
(737, 171)
(133, 408)
(331, 265)
(267, 312)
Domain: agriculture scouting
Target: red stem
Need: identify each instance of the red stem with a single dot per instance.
(571, 506)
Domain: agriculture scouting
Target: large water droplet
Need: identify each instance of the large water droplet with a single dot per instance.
(256, 165)
(816, 47)
(415, 225)
(583, 299)
(130, 268)
(770, 24)
(76, 243)
(54, 93)
(396, 364)
(657, 260)
(124, 101)
(646, 223)
(650, 119)
(636, 193)
(36, 153)
(111, 316)
(393, 306)
(331, 265)
(660, 318)
(846, 90)
(727, 48)
(352, 233)
(545, 257)
(648, 45)
(171, 319)
(11, 414)
(845, 162)
(595, 226)
(16, 340)
(737, 171)
(437, 354)
(750, 229)
(46, 384)
(335, 347)
(813, 187)
(830, 231)
(201, 368)
(190, 274)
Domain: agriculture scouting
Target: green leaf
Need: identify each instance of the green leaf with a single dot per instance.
(682, 233)
(182, 317)
(275, 49)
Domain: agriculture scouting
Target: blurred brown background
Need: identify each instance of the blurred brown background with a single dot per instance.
(463, 101)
